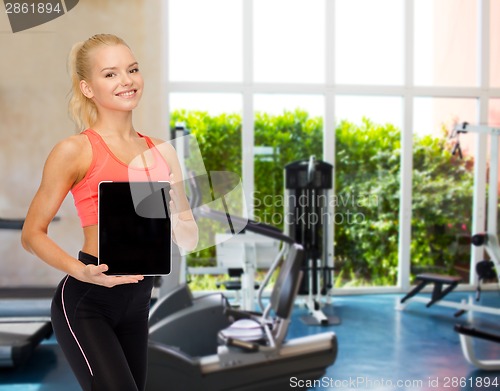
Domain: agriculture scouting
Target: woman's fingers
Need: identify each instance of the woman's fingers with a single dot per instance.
(96, 276)
(120, 280)
(98, 269)
(174, 199)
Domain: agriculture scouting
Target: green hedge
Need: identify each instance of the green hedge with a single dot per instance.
(367, 180)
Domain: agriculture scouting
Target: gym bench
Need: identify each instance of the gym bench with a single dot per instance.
(438, 292)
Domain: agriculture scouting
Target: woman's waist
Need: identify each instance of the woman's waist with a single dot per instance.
(90, 242)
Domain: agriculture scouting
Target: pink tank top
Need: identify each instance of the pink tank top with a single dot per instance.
(105, 166)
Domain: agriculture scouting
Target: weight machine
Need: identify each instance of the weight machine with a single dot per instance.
(485, 269)
(309, 221)
(25, 316)
(489, 239)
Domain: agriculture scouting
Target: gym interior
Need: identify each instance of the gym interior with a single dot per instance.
(358, 146)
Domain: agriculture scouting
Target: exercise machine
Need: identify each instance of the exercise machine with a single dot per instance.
(486, 269)
(309, 221)
(25, 317)
(205, 344)
(241, 256)
(468, 335)
(252, 353)
(443, 284)
(18, 340)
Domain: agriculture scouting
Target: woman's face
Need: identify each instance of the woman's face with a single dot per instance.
(116, 83)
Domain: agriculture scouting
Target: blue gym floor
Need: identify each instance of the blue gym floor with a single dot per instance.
(380, 348)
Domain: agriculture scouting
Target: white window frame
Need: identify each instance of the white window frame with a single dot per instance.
(329, 90)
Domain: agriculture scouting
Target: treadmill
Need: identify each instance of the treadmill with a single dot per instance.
(25, 316)
(210, 346)
(252, 354)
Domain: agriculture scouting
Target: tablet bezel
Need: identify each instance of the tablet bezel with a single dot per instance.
(111, 263)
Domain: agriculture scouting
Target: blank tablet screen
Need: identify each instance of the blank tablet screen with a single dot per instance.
(135, 234)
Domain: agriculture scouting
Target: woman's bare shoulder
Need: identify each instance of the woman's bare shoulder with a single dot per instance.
(165, 145)
(157, 141)
(73, 146)
(72, 154)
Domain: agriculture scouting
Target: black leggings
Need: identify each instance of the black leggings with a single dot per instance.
(103, 332)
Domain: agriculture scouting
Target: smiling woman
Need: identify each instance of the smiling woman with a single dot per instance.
(113, 70)
(89, 305)
(122, 81)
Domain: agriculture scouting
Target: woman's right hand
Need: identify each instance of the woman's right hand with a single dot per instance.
(94, 274)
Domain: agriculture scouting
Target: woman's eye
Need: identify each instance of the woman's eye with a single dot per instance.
(134, 70)
(109, 74)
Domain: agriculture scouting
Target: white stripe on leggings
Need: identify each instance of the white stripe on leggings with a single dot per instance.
(70, 329)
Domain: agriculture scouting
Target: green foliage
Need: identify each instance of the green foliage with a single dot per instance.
(442, 205)
(368, 175)
(292, 136)
(367, 188)
(219, 138)
(367, 203)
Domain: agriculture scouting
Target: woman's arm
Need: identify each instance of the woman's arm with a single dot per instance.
(184, 227)
(65, 165)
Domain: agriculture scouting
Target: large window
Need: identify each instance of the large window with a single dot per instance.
(371, 86)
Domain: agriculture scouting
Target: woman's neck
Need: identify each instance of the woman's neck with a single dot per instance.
(115, 126)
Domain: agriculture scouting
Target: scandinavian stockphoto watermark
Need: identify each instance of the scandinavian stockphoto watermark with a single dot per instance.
(309, 210)
(216, 198)
(27, 14)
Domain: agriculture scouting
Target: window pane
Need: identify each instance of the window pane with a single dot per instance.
(379, 109)
(436, 115)
(442, 187)
(287, 128)
(367, 166)
(205, 40)
(495, 43)
(215, 121)
(446, 43)
(278, 103)
(289, 40)
(213, 103)
(369, 42)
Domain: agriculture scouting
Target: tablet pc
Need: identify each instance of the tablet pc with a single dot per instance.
(135, 234)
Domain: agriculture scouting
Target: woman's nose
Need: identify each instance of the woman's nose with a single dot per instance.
(125, 79)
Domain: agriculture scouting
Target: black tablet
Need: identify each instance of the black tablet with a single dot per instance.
(135, 235)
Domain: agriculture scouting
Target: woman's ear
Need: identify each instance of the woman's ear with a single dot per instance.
(86, 90)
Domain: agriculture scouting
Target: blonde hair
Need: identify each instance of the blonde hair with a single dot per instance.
(82, 109)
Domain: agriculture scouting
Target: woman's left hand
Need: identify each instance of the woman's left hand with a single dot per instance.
(184, 227)
(174, 204)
